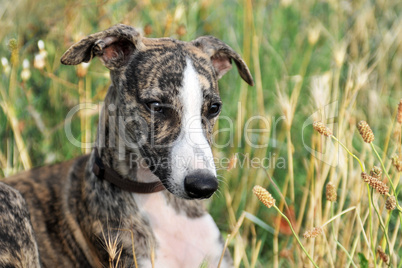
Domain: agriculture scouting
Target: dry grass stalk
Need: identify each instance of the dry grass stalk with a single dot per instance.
(133, 247)
(313, 233)
(390, 204)
(375, 183)
(365, 131)
(322, 128)
(264, 196)
(330, 192)
(111, 245)
(231, 236)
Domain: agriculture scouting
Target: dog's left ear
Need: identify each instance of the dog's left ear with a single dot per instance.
(221, 57)
(113, 46)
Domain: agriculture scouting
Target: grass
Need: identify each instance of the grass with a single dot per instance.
(338, 62)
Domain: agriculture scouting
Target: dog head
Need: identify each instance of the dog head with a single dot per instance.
(166, 94)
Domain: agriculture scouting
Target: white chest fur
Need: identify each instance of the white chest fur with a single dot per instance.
(182, 241)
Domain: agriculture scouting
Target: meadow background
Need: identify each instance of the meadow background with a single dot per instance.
(335, 61)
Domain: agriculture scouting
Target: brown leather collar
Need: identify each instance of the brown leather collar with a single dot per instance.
(111, 176)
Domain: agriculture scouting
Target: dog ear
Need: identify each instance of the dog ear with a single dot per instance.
(113, 46)
(221, 57)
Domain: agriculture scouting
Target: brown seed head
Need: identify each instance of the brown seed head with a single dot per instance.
(330, 192)
(399, 115)
(380, 186)
(394, 158)
(376, 172)
(12, 44)
(396, 162)
(82, 69)
(264, 196)
(286, 253)
(390, 204)
(375, 183)
(322, 128)
(181, 30)
(13, 47)
(365, 177)
(313, 232)
(365, 131)
(232, 162)
(383, 256)
(148, 29)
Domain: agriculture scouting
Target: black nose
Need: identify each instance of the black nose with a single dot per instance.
(200, 184)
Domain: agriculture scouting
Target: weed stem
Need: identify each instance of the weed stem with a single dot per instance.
(337, 216)
(333, 229)
(382, 226)
(371, 227)
(349, 152)
(295, 235)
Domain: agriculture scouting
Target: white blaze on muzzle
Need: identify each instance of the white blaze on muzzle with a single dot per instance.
(191, 151)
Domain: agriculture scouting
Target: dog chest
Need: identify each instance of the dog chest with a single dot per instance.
(181, 241)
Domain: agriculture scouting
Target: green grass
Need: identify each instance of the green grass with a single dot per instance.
(354, 61)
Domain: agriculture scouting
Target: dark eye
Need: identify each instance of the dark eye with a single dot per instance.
(155, 106)
(214, 109)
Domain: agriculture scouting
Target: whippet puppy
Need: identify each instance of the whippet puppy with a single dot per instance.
(135, 201)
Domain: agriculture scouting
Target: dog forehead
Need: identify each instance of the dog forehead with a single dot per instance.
(160, 64)
(169, 44)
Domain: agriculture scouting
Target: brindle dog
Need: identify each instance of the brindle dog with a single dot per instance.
(155, 130)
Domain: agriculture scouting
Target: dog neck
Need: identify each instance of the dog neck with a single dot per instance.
(108, 174)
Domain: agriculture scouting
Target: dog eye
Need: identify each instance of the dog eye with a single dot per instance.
(155, 106)
(214, 109)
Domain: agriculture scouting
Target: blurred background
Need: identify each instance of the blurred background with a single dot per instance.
(334, 61)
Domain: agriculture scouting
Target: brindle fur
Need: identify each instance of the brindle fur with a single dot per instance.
(17, 241)
(72, 211)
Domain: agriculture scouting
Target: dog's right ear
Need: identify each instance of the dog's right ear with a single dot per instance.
(113, 46)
